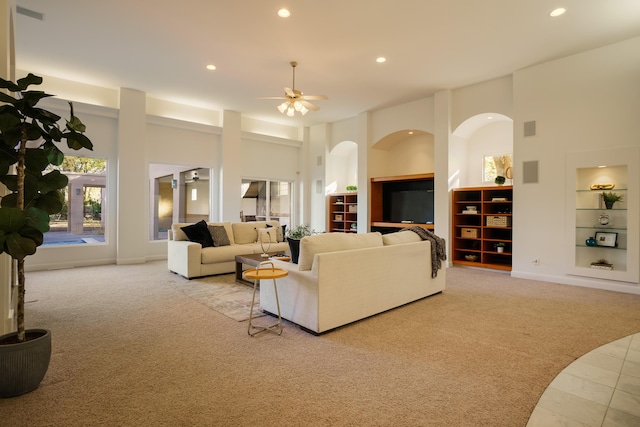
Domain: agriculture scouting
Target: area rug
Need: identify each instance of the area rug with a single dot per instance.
(221, 293)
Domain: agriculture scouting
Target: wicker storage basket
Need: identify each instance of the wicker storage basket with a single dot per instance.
(499, 221)
(469, 233)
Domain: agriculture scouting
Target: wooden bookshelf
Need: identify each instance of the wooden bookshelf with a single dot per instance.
(481, 219)
(342, 213)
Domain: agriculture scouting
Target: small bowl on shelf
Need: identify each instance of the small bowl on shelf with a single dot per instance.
(471, 257)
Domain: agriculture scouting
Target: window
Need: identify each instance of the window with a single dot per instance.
(81, 220)
(266, 201)
(497, 165)
(178, 194)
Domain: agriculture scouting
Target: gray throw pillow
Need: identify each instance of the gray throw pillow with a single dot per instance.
(219, 235)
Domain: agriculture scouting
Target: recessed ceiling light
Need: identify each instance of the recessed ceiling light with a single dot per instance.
(489, 117)
(284, 13)
(557, 12)
(410, 132)
(211, 67)
(381, 59)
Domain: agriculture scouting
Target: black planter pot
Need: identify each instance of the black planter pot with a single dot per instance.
(23, 365)
(294, 248)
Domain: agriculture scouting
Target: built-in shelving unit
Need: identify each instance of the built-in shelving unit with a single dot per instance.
(603, 242)
(402, 201)
(342, 213)
(482, 227)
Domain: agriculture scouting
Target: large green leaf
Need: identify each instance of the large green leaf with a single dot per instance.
(36, 159)
(54, 155)
(11, 220)
(7, 98)
(32, 97)
(76, 141)
(76, 124)
(37, 219)
(28, 80)
(50, 202)
(18, 246)
(54, 180)
(20, 233)
(9, 118)
(9, 201)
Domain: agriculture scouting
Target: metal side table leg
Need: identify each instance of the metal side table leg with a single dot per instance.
(258, 329)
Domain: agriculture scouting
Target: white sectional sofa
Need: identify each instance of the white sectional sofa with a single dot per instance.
(341, 278)
(190, 259)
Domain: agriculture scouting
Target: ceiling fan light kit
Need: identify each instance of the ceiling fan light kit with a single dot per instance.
(295, 100)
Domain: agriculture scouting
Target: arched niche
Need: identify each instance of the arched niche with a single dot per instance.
(486, 134)
(342, 167)
(404, 152)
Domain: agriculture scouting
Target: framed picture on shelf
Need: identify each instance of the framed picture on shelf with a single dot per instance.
(609, 240)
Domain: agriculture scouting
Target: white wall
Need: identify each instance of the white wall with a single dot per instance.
(493, 138)
(581, 103)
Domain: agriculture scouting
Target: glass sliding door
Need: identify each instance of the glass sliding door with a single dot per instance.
(265, 200)
(178, 194)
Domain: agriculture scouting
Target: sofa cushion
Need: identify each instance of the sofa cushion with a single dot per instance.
(199, 233)
(219, 235)
(245, 232)
(399, 237)
(223, 253)
(333, 242)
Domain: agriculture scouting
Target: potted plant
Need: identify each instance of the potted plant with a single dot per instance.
(610, 198)
(28, 137)
(293, 237)
(500, 180)
(499, 246)
(352, 188)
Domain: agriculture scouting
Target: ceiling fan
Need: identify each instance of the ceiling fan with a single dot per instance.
(295, 100)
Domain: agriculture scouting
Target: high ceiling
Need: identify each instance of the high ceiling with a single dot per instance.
(162, 48)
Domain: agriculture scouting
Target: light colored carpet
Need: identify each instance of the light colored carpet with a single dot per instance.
(130, 349)
(222, 294)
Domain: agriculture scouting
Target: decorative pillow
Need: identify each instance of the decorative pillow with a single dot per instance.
(199, 233)
(266, 234)
(279, 232)
(219, 235)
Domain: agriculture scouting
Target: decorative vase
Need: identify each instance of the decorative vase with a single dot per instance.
(294, 248)
(591, 242)
(608, 205)
(23, 365)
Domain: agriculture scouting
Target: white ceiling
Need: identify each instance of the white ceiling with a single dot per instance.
(162, 48)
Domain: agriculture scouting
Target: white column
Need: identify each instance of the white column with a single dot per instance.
(364, 214)
(442, 133)
(7, 71)
(230, 176)
(133, 176)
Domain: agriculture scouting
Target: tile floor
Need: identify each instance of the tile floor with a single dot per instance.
(601, 388)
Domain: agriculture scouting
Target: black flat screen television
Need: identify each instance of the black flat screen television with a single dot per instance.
(408, 201)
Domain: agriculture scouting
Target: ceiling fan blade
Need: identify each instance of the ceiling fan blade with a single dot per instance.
(273, 97)
(316, 97)
(289, 92)
(309, 105)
